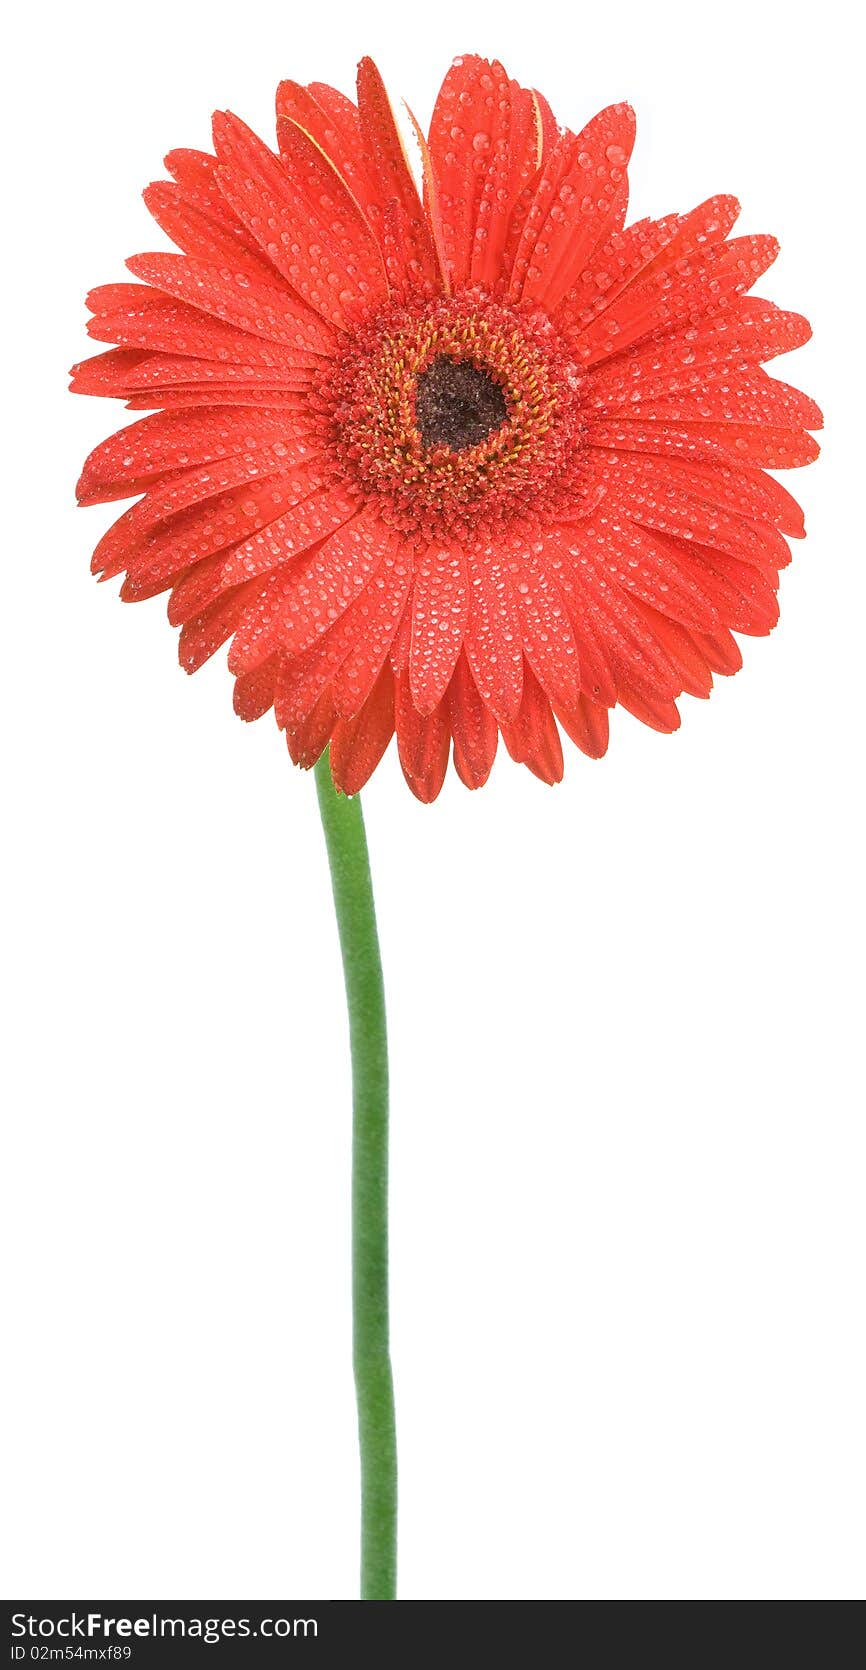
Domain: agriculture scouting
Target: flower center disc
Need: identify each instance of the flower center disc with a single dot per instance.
(456, 413)
(457, 404)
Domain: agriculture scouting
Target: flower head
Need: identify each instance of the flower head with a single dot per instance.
(469, 461)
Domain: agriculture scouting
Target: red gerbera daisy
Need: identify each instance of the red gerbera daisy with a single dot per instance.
(478, 460)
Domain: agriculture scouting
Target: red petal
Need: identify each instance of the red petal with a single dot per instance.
(349, 656)
(308, 740)
(493, 642)
(750, 396)
(758, 609)
(626, 254)
(328, 578)
(375, 619)
(467, 129)
(708, 224)
(204, 529)
(587, 725)
(309, 520)
(135, 316)
(201, 233)
(189, 488)
(741, 443)
(259, 628)
(145, 377)
(304, 216)
(680, 295)
(631, 650)
(254, 692)
(473, 727)
(545, 630)
(683, 651)
(432, 204)
(194, 589)
(196, 173)
(268, 312)
(653, 711)
(532, 737)
(202, 636)
(749, 331)
(423, 741)
(130, 460)
(722, 652)
(390, 167)
(357, 745)
(580, 198)
(645, 491)
(499, 172)
(440, 616)
(615, 547)
(332, 122)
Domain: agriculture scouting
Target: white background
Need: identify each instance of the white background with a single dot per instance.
(628, 1146)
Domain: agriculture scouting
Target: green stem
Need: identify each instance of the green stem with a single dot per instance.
(343, 823)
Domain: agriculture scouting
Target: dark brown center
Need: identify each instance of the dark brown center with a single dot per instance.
(457, 405)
